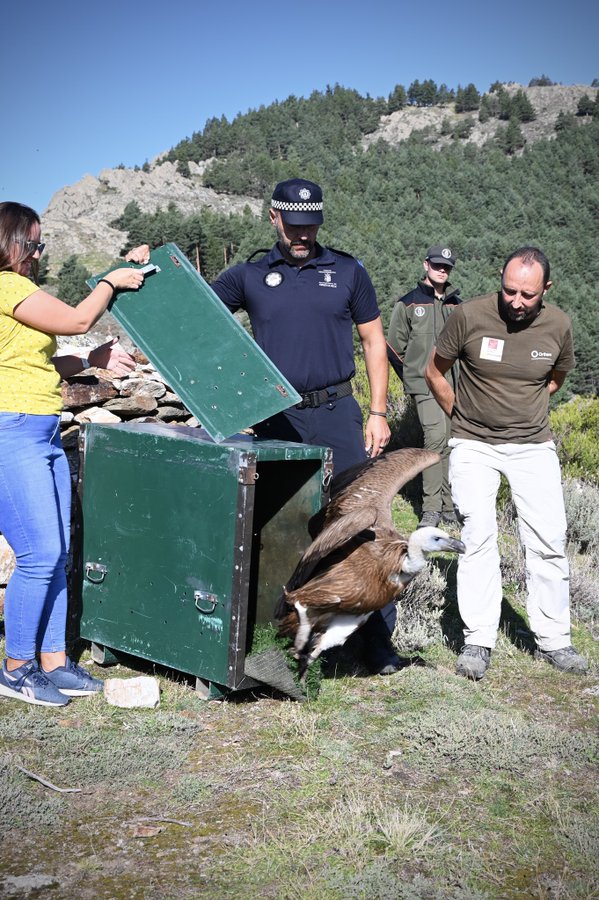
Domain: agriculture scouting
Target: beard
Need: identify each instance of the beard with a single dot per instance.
(295, 249)
(522, 315)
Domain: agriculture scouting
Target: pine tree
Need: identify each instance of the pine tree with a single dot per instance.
(585, 106)
(542, 81)
(72, 287)
(467, 99)
(444, 95)
(521, 107)
(397, 98)
(510, 138)
(415, 93)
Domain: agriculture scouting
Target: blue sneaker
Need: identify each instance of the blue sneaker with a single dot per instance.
(28, 683)
(74, 680)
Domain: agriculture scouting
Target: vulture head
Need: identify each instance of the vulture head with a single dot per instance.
(358, 561)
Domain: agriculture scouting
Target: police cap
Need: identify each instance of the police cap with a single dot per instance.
(299, 202)
(440, 254)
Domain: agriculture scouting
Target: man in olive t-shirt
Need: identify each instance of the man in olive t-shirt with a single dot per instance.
(514, 352)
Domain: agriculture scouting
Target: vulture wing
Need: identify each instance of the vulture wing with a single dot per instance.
(375, 483)
(333, 536)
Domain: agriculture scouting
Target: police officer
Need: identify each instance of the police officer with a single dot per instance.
(302, 300)
(416, 321)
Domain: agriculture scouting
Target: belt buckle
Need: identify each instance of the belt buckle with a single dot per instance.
(309, 400)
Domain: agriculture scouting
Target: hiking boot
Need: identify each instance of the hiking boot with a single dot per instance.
(429, 519)
(448, 517)
(29, 684)
(566, 659)
(73, 680)
(473, 661)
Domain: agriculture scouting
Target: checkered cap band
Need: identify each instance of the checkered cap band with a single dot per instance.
(296, 207)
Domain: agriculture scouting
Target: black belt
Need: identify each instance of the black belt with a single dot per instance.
(312, 399)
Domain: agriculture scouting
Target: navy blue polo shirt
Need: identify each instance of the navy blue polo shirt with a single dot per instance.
(302, 316)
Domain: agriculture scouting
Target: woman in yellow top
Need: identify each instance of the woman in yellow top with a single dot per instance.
(35, 485)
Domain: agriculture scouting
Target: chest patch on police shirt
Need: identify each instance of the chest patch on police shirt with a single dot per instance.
(491, 348)
(419, 311)
(326, 278)
(273, 279)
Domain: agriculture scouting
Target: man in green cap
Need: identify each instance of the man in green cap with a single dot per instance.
(416, 321)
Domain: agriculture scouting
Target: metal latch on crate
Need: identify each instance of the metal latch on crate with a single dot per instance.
(95, 572)
(149, 269)
(205, 602)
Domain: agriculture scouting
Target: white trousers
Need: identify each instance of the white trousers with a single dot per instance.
(533, 473)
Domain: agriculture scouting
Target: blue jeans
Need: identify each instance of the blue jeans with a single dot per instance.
(35, 514)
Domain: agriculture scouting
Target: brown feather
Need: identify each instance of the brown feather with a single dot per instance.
(357, 563)
(361, 498)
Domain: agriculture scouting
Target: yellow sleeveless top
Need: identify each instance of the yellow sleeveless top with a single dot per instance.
(29, 383)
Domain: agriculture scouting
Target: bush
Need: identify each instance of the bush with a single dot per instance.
(419, 611)
(575, 427)
(582, 512)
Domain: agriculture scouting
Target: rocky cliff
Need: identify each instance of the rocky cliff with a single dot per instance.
(547, 102)
(76, 220)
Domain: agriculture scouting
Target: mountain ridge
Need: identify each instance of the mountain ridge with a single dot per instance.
(77, 218)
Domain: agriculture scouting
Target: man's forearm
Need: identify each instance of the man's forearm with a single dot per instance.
(440, 388)
(377, 370)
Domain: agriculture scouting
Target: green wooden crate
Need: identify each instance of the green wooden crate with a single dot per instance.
(186, 543)
(199, 347)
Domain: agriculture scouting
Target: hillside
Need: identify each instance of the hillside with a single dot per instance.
(427, 179)
(547, 102)
(78, 216)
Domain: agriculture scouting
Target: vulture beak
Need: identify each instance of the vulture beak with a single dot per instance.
(452, 545)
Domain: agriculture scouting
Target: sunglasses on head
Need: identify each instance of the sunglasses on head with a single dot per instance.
(32, 246)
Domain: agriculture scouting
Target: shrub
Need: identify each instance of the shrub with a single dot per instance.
(575, 427)
(419, 611)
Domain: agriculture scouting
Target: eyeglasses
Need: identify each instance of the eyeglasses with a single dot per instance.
(32, 247)
(437, 266)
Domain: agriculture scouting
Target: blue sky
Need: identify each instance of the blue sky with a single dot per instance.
(90, 86)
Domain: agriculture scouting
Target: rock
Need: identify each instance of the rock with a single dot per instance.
(171, 398)
(128, 693)
(128, 407)
(79, 392)
(7, 560)
(146, 386)
(97, 414)
(70, 437)
(77, 220)
(171, 412)
(547, 102)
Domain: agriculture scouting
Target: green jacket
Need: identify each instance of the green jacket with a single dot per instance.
(416, 322)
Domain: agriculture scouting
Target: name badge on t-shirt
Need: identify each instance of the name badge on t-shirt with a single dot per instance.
(491, 348)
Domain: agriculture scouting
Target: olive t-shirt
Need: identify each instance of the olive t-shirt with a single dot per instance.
(502, 394)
